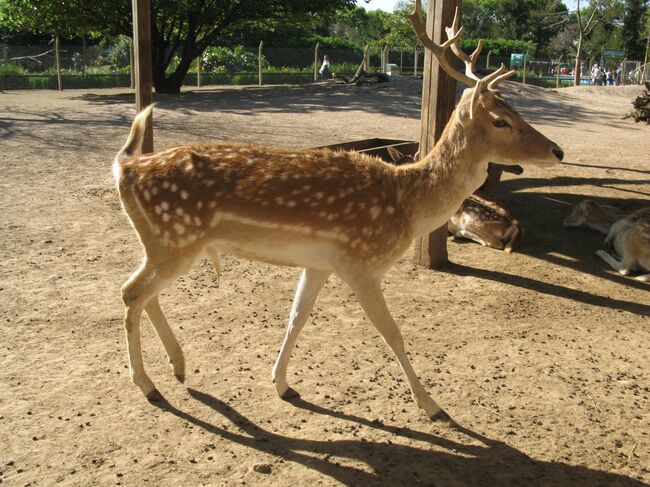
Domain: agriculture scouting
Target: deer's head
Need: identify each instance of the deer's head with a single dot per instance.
(491, 123)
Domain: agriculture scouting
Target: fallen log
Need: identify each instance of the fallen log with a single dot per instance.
(641, 104)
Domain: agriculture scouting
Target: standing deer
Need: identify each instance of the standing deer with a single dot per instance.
(324, 211)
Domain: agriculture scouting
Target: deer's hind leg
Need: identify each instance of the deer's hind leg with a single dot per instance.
(140, 292)
(166, 335)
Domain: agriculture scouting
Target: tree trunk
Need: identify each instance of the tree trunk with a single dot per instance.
(172, 84)
(576, 68)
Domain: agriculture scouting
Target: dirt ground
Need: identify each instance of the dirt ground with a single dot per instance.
(543, 354)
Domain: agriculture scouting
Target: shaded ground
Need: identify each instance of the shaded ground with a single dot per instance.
(541, 354)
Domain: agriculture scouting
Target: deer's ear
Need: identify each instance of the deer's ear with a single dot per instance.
(394, 154)
(464, 113)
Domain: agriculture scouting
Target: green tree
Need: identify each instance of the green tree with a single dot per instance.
(181, 29)
(633, 33)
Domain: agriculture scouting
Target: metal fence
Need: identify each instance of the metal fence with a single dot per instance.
(98, 66)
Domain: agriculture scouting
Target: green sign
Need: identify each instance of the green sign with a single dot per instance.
(613, 52)
(516, 60)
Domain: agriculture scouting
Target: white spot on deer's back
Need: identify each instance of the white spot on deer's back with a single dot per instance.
(147, 195)
(180, 228)
(375, 211)
(173, 188)
(215, 220)
(165, 217)
(164, 205)
(184, 194)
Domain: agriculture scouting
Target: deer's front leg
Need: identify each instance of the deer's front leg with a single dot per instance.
(310, 283)
(616, 264)
(372, 301)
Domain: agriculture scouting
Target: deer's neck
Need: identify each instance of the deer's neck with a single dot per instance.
(435, 187)
(603, 220)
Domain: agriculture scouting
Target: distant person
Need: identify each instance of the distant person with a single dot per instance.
(324, 70)
(617, 75)
(596, 75)
(609, 76)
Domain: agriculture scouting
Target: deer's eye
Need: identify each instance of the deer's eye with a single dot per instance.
(500, 122)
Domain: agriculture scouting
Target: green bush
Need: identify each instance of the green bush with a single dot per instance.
(9, 69)
(499, 47)
(119, 53)
(224, 59)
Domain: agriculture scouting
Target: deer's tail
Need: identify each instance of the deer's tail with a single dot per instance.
(133, 143)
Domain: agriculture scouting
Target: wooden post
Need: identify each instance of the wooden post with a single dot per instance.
(5, 53)
(524, 77)
(415, 62)
(84, 53)
(645, 62)
(132, 63)
(366, 58)
(142, 55)
(316, 61)
(438, 102)
(57, 55)
(487, 61)
(259, 63)
(557, 80)
(198, 71)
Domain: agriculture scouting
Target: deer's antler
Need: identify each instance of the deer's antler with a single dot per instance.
(440, 51)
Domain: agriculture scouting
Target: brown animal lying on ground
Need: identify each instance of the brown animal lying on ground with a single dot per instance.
(590, 214)
(479, 219)
(486, 222)
(628, 236)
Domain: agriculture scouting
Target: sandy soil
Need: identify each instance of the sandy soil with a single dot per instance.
(543, 355)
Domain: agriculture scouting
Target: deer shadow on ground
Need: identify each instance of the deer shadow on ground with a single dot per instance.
(438, 461)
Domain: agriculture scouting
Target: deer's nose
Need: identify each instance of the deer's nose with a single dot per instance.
(559, 153)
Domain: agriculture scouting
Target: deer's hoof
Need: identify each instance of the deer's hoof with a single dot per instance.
(289, 394)
(442, 417)
(154, 396)
(180, 377)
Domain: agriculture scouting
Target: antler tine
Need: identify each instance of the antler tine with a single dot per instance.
(440, 51)
(454, 32)
(496, 79)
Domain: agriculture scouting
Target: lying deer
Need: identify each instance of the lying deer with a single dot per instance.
(590, 214)
(326, 212)
(628, 236)
(486, 222)
(478, 219)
